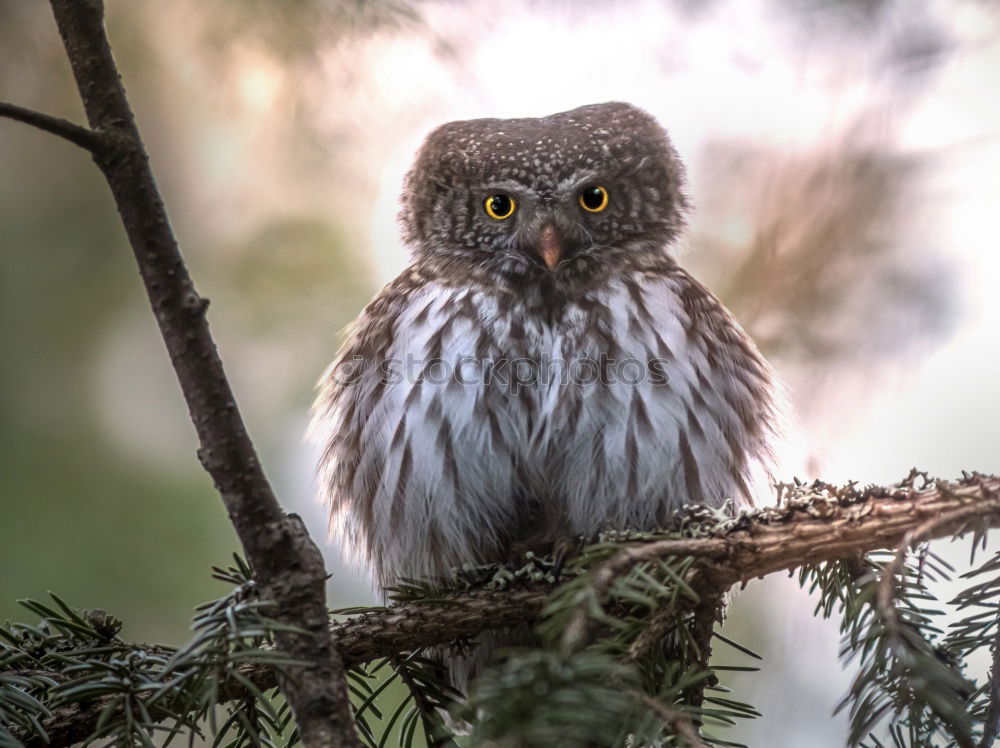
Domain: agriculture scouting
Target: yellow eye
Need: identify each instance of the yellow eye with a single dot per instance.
(594, 199)
(500, 206)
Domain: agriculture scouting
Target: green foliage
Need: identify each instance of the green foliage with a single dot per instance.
(426, 698)
(607, 655)
(911, 669)
(904, 669)
(623, 659)
(977, 631)
(142, 690)
(539, 698)
(205, 688)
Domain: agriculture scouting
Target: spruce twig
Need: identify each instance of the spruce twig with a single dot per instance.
(827, 529)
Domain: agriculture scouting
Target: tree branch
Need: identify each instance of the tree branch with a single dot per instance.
(286, 563)
(825, 524)
(74, 133)
(680, 723)
(820, 523)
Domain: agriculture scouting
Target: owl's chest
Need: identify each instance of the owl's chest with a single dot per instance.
(541, 371)
(630, 400)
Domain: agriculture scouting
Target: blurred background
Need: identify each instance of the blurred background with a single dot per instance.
(844, 164)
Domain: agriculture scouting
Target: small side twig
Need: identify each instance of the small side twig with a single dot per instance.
(659, 624)
(76, 134)
(679, 722)
(424, 708)
(885, 594)
(706, 614)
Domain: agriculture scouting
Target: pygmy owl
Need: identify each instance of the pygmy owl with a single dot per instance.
(543, 369)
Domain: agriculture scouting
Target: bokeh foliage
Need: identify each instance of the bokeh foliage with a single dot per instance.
(822, 277)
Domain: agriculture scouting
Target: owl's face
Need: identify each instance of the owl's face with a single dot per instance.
(563, 196)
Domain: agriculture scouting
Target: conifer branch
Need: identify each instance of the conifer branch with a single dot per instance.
(812, 524)
(679, 723)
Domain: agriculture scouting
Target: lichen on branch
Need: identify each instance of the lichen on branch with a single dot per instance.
(827, 532)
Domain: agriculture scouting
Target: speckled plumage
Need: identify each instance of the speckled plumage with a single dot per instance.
(434, 457)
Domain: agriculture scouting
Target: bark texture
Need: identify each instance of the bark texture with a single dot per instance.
(286, 562)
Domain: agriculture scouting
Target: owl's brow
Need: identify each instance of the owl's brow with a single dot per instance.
(507, 185)
(581, 177)
(576, 179)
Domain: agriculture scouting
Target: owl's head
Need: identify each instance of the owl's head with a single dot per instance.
(545, 196)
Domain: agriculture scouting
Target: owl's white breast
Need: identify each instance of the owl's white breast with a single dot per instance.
(485, 407)
(642, 443)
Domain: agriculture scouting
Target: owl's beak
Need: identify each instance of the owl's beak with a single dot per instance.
(549, 245)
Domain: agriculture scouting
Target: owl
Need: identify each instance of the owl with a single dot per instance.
(543, 369)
